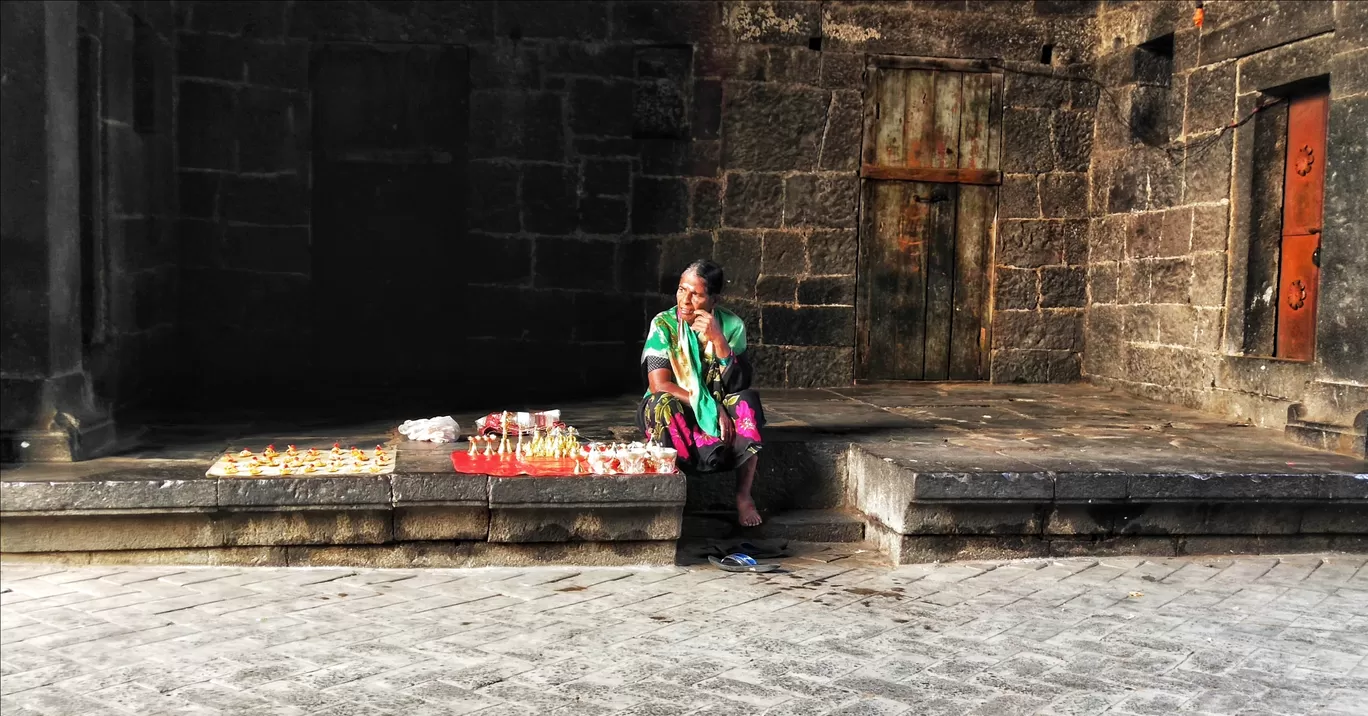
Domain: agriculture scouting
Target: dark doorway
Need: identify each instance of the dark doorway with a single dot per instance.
(929, 199)
(389, 224)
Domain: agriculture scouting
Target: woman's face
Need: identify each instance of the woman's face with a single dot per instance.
(692, 297)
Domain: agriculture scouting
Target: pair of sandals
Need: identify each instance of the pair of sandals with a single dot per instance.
(740, 561)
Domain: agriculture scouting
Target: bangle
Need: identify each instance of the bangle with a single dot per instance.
(725, 361)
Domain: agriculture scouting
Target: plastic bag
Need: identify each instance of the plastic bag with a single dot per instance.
(436, 430)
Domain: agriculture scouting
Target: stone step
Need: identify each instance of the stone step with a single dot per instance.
(833, 525)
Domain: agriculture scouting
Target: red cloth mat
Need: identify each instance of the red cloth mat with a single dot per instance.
(510, 466)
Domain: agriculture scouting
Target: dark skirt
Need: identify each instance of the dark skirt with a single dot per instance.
(700, 452)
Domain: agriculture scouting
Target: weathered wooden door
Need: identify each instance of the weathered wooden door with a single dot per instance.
(1303, 201)
(929, 199)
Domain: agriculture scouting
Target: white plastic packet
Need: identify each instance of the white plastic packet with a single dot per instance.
(436, 430)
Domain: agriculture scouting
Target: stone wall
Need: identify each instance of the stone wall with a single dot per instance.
(610, 144)
(1178, 200)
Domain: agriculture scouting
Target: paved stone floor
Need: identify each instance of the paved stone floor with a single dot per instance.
(834, 633)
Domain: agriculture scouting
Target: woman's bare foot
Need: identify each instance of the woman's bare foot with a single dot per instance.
(747, 515)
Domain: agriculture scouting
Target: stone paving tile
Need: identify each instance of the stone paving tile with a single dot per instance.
(1070, 636)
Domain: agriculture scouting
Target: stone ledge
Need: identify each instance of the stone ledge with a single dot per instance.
(284, 491)
(614, 490)
(107, 495)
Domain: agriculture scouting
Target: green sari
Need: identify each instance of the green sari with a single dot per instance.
(675, 341)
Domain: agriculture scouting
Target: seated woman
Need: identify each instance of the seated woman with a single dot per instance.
(699, 379)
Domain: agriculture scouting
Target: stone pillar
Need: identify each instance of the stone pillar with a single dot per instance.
(48, 411)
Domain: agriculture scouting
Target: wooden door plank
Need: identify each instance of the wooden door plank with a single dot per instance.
(994, 160)
(934, 175)
(919, 118)
(940, 279)
(973, 231)
(974, 114)
(867, 248)
(892, 115)
(945, 132)
(907, 264)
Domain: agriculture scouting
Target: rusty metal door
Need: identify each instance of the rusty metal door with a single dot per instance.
(929, 198)
(1303, 201)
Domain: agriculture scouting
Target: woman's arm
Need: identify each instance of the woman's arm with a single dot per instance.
(736, 377)
(661, 380)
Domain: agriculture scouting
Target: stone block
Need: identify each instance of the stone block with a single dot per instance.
(1175, 233)
(1255, 544)
(1107, 238)
(816, 367)
(1347, 518)
(107, 495)
(1019, 197)
(997, 519)
(753, 201)
(596, 491)
(1012, 365)
(920, 549)
(842, 70)
(552, 20)
(351, 490)
(772, 288)
(414, 489)
(1038, 330)
(669, 157)
(550, 199)
(573, 263)
(1090, 486)
(1210, 98)
(639, 265)
(1064, 195)
(494, 204)
(706, 205)
(199, 194)
(706, 120)
(603, 215)
(519, 125)
(757, 113)
(1063, 287)
(769, 363)
(667, 22)
(844, 132)
(577, 554)
(677, 252)
(660, 109)
(1115, 546)
(832, 251)
(1028, 244)
(1177, 324)
(1017, 289)
(507, 66)
(1144, 233)
(441, 523)
(601, 107)
(1171, 280)
(1164, 365)
(207, 113)
(1031, 90)
(285, 66)
(216, 57)
(1207, 175)
(660, 206)
(277, 528)
(783, 254)
(271, 200)
(503, 260)
(108, 532)
(1073, 139)
(738, 252)
(1211, 518)
(1286, 64)
(1026, 141)
(585, 524)
(1104, 282)
(827, 291)
(809, 325)
(821, 200)
(1210, 228)
(253, 18)
(606, 177)
(282, 249)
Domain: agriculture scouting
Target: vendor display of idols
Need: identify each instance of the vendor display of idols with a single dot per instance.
(312, 461)
(629, 459)
(538, 444)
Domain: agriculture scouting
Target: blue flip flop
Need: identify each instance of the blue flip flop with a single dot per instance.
(741, 563)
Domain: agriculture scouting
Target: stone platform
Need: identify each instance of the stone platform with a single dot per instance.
(921, 471)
